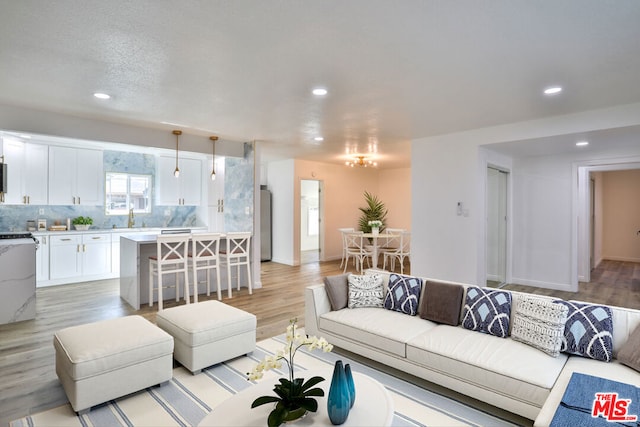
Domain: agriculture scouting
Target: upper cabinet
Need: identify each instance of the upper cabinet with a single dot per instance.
(75, 176)
(185, 190)
(27, 166)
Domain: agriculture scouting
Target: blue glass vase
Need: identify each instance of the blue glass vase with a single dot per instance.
(350, 385)
(339, 399)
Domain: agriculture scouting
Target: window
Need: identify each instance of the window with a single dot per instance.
(125, 191)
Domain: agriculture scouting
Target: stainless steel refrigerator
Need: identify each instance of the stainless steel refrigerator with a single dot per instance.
(265, 224)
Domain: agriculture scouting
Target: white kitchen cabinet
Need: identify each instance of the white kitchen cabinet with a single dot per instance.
(73, 255)
(75, 176)
(185, 190)
(64, 256)
(216, 198)
(96, 254)
(27, 166)
(42, 259)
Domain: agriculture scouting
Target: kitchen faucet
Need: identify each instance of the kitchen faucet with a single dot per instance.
(131, 220)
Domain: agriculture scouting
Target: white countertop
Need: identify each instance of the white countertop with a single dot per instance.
(150, 230)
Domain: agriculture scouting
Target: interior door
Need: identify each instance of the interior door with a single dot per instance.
(496, 224)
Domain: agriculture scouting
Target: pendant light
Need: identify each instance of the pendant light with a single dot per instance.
(213, 166)
(177, 133)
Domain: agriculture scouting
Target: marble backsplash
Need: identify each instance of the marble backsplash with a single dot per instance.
(238, 195)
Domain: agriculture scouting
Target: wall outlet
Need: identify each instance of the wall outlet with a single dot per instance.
(247, 210)
(41, 211)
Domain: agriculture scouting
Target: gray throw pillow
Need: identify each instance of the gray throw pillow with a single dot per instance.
(539, 323)
(365, 291)
(337, 288)
(441, 303)
(629, 354)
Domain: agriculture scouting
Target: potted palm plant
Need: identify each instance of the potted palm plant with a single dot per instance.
(375, 213)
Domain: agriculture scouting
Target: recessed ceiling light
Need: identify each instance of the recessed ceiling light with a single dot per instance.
(552, 90)
(582, 143)
(101, 95)
(318, 138)
(319, 91)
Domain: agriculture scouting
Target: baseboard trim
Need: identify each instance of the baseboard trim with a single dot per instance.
(540, 284)
(620, 258)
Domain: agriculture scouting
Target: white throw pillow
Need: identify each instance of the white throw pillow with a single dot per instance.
(540, 324)
(365, 291)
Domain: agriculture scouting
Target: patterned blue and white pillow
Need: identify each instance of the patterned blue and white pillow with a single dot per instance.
(365, 290)
(588, 331)
(487, 311)
(403, 294)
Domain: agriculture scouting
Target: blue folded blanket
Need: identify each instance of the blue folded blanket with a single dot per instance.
(592, 401)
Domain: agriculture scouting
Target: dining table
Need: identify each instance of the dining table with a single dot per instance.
(375, 238)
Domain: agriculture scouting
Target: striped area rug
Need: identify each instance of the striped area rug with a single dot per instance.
(188, 398)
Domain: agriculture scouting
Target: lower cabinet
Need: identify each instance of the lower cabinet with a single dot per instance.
(75, 255)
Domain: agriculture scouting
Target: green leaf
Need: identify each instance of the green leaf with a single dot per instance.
(375, 210)
(311, 382)
(277, 416)
(314, 392)
(263, 400)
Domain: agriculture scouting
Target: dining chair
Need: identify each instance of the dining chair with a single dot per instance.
(398, 253)
(204, 256)
(356, 248)
(343, 235)
(171, 258)
(236, 253)
(392, 239)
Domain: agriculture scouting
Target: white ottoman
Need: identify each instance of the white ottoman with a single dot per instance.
(208, 332)
(101, 361)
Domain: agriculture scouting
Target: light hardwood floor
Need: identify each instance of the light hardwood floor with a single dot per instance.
(27, 369)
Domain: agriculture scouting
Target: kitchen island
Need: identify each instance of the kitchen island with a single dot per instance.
(135, 251)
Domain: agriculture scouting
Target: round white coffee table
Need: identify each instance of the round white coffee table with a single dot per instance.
(373, 406)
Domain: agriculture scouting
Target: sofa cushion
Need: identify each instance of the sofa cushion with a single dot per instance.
(629, 354)
(441, 302)
(487, 311)
(403, 294)
(385, 330)
(588, 331)
(540, 324)
(502, 366)
(337, 288)
(365, 290)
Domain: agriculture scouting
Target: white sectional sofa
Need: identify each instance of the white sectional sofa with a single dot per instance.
(500, 371)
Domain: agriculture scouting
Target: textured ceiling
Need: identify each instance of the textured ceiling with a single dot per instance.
(395, 71)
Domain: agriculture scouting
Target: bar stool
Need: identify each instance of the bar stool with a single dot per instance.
(236, 254)
(204, 256)
(171, 258)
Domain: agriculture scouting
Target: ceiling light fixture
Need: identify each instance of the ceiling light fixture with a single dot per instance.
(552, 90)
(101, 95)
(213, 165)
(177, 133)
(582, 143)
(319, 91)
(318, 138)
(361, 161)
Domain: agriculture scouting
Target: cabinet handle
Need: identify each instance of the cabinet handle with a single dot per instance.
(96, 238)
(78, 248)
(84, 248)
(74, 200)
(66, 240)
(24, 200)
(78, 199)
(28, 200)
(44, 240)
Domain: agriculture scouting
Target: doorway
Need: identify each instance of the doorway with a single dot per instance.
(496, 224)
(309, 221)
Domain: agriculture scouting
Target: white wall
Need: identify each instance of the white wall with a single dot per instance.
(452, 169)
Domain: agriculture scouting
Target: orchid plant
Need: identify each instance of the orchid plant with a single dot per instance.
(295, 396)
